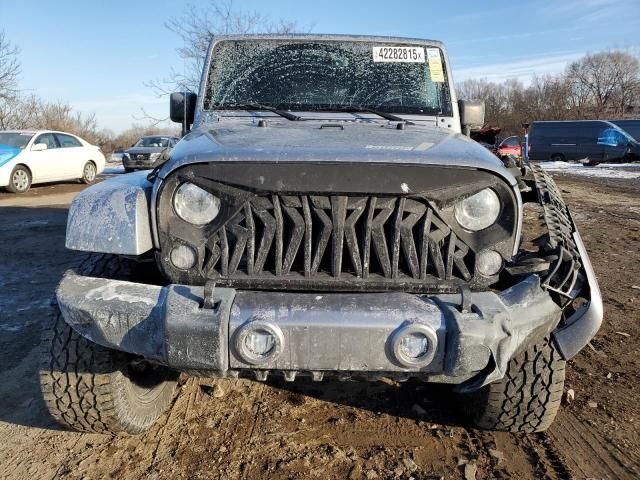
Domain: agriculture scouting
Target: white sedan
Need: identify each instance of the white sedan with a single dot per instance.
(38, 156)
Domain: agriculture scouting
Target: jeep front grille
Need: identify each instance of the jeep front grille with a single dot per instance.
(337, 243)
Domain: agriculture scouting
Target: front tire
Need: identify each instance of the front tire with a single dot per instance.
(527, 399)
(20, 180)
(91, 388)
(89, 173)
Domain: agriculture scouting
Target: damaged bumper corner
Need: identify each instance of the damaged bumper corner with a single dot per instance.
(470, 336)
(576, 331)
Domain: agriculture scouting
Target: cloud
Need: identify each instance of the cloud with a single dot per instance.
(522, 69)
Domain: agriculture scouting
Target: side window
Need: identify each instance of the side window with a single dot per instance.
(609, 137)
(67, 141)
(48, 139)
(512, 142)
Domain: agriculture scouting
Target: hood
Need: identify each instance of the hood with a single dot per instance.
(134, 150)
(240, 139)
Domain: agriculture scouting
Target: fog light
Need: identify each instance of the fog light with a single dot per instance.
(183, 257)
(258, 342)
(489, 262)
(413, 345)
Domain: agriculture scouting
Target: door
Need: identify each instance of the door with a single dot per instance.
(44, 164)
(72, 156)
(564, 141)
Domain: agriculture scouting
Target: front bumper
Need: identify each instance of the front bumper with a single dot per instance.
(139, 164)
(472, 335)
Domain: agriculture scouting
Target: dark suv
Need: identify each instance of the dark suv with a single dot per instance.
(148, 152)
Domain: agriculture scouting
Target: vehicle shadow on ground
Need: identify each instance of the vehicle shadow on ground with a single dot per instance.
(32, 260)
(413, 399)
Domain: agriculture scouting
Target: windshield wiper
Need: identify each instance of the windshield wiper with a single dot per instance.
(257, 106)
(388, 116)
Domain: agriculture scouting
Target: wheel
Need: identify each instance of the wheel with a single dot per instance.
(527, 398)
(557, 157)
(91, 388)
(89, 173)
(20, 180)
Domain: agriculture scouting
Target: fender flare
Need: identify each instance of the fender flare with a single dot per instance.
(112, 217)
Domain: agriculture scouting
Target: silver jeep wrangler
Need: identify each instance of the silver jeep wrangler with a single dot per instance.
(325, 216)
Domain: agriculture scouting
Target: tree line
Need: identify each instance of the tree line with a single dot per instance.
(603, 85)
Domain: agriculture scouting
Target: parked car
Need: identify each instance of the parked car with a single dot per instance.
(321, 222)
(510, 146)
(148, 152)
(632, 127)
(589, 141)
(28, 157)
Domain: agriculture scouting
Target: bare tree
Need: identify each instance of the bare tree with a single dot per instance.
(598, 79)
(9, 68)
(198, 25)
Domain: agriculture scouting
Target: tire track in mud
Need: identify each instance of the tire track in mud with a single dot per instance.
(588, 452)
(547, 460)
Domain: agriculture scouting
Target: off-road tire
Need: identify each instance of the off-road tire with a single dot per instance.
(12, 187)
(91, 388)
(527, 398)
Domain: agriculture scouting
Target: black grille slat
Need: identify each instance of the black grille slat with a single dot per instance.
(336, 239)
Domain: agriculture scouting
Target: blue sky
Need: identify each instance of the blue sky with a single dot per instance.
(96, 55)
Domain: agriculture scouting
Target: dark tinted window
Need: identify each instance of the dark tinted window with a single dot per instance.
(48, 139)
(67, 141)
(612, 137)
(632, 127)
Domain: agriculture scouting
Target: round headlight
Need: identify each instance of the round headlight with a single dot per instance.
(478, 211)
(195, 205)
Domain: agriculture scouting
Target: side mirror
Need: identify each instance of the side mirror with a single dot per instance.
(182, 109)
(471, 115)
(39, 147)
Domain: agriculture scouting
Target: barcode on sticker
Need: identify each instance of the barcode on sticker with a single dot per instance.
(398, 54)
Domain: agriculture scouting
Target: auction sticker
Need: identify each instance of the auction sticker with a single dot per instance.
(398, 54)
(435, 65)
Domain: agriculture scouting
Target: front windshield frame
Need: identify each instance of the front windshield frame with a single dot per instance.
(5, 139)
(442, 104)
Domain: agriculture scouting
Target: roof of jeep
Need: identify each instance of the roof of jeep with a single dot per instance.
(323, 36)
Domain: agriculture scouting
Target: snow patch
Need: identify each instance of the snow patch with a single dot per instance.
(113, 170)
(604, 170)
(110, 292)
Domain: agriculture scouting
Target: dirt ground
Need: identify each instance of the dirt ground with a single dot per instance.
(335, 429)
